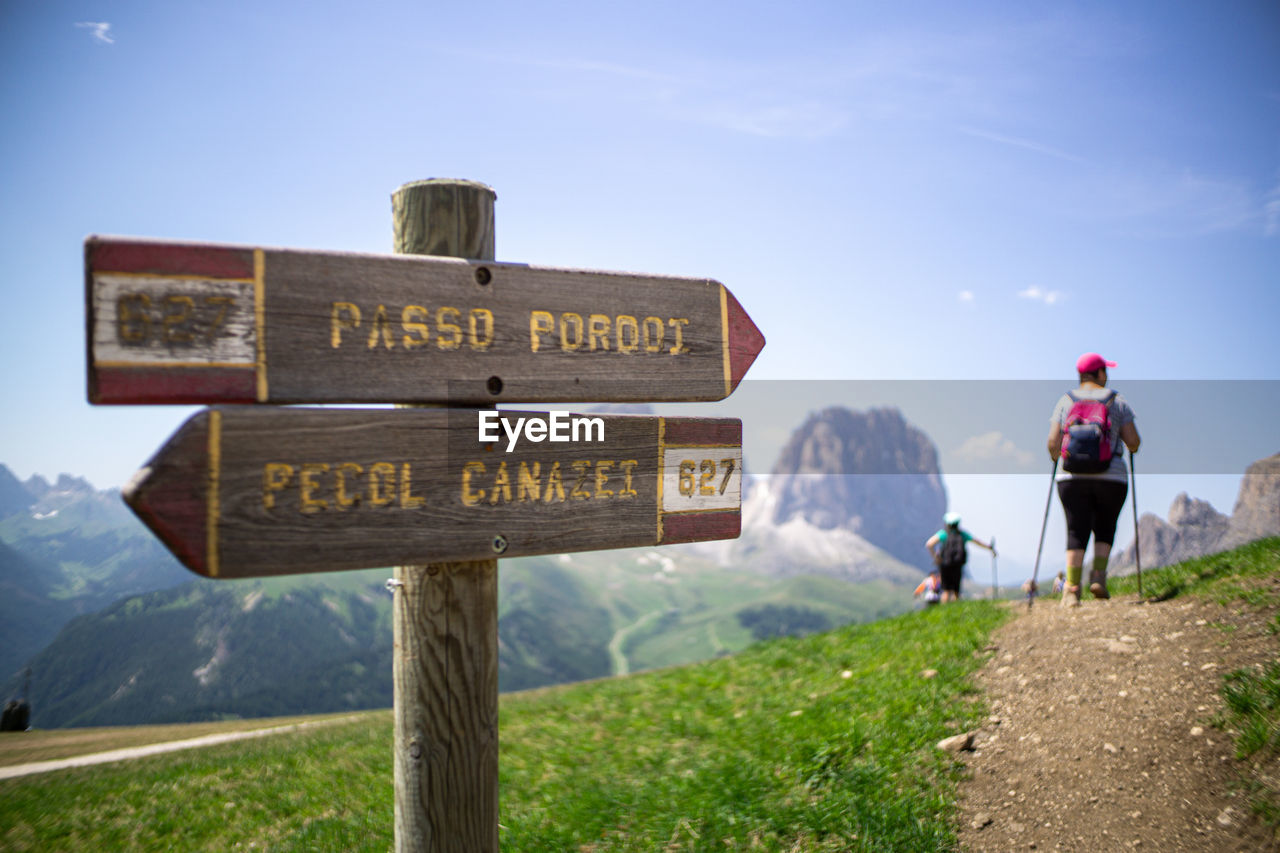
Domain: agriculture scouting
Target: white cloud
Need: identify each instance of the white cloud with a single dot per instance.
(1271, 209)
(992, 447)
(1018, 142)
(965, 296)
(101, 30)
(1036, 294)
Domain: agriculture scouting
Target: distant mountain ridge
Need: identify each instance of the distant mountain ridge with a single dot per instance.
(833, 535)
(1194, 528)
(67, 549)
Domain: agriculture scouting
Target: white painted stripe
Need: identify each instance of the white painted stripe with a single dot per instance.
(173, 321)
(699, 479)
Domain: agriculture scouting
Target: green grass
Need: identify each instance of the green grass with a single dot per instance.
(771, 747)
(1245, 574)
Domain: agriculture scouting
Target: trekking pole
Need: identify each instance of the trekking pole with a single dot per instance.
(1035, 573)
(995, 578)
(1133, 496)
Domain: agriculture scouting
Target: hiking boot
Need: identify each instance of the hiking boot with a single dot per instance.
(1071, 595)
(1098, 584)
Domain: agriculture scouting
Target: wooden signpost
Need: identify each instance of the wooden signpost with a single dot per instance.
(249, 492)
(245, 491)
(197, 323)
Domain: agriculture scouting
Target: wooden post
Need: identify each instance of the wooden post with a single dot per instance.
(446, 615)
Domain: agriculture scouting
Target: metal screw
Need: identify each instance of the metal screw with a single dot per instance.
(499, 544)
(393, 585)
(494, 385)
(483, 276)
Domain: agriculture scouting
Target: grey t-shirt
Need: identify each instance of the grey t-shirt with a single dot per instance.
(1121, 414)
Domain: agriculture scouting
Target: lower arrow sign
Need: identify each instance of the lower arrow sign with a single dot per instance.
(240, 492)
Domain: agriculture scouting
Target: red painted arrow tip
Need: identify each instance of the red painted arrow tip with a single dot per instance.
(745, 340)
(169, 494)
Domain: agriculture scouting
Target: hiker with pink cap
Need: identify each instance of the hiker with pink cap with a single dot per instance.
(1088, 427)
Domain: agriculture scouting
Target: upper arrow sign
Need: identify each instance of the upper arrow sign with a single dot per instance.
(202, 323)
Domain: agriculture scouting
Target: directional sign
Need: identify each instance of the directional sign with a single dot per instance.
(246, 492)
(200, 323)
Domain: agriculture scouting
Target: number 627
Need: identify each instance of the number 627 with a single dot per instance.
(698, 477)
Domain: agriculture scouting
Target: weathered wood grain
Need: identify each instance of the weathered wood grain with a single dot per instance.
(304, 490)
(341, 327)
(446, 614)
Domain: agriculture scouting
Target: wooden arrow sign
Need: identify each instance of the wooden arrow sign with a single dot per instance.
(248, 492)
(200, 323)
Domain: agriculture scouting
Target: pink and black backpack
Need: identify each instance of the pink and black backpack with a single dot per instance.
(1086, 441)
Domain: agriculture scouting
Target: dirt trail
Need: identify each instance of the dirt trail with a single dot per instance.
(1100, 736)
(131, 752)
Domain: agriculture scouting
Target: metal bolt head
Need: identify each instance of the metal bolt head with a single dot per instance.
(499, 544)
(483, 276)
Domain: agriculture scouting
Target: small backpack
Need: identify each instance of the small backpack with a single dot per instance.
(953, 552)
(1086, 442)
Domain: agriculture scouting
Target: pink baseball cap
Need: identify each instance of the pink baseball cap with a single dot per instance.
(1091, 361)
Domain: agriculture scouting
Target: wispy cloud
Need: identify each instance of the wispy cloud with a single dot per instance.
(1037, 294)
(1019, 142)
(965, 296)
(993, 447)
(101, 30)
(1271, 213)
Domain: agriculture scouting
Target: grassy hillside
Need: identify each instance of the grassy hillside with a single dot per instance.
(298, 644)
(818, 743)
(812, 741)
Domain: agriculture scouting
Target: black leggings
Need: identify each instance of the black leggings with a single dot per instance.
(1091, 506)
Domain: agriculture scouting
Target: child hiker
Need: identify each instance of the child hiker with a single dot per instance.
(952, 554)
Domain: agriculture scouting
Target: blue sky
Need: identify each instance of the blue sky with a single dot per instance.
(918, 190)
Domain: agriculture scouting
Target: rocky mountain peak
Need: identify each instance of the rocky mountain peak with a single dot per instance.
(871, 473)
(1195, 528)
(1257, 509)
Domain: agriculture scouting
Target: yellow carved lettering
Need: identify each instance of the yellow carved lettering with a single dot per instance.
(307, 486)
(626, 324)
(184, 306)
(475, 319)
(582, 467)
(407, 499)
(471, 497)
(133, 322)
(540, 323)
(678, 323)
(382, 483)
(652, 329)
(338, 322)
(450, 326)
(412, 319)
(529, 483)
(627, 466)
(275, 476)
(501, 488)
(598, 331)
(555, 485)
(686, 478)
(602, 477)
(706, 486)
(225, 302)
(340, 497)
(381, 328)
(568, 343)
